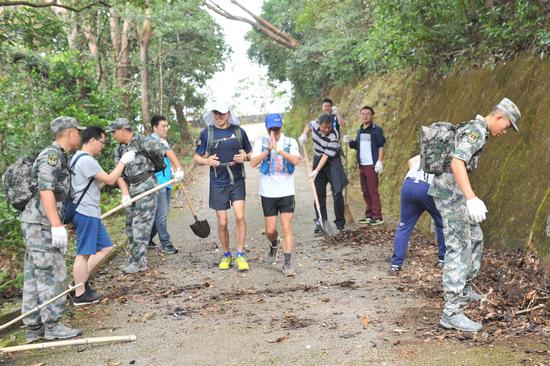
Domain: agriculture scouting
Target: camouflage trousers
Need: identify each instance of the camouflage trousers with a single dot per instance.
(464, 242)
(45, 274)
(140, 218)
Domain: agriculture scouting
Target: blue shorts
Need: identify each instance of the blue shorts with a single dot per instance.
(222, 197)
(91, 235)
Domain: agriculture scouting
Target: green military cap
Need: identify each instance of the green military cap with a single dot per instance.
(511, 110)
(119, 123)
(62, 123)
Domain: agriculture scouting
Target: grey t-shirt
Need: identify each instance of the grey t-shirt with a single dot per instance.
(86, 167)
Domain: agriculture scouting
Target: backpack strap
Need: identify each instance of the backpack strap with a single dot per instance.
(89, 183)
(239, 135)
(210, 140)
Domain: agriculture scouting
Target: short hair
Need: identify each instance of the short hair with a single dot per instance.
(369, 108)
(92, 132)
(328, 100)
(325, 118)
(155, 120)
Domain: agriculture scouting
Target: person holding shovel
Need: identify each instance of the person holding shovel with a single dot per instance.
(138, 177)
(277, 156)
(224, 147)
(327, 167)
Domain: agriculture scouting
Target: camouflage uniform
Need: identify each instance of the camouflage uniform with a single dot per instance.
(463, 237)
(45, 271)
(139, 174)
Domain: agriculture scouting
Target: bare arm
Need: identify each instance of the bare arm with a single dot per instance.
(413, 161)
(173, 159)
(293, 159)
(50, 207)
(458, 167)
(255, 160)
(341, 120)
(123, 187)
(211, 160)
(112, 177)
(322, 163)
(307, 130)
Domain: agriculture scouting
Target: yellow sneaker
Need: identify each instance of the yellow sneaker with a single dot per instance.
(225, 263)
(242, 264)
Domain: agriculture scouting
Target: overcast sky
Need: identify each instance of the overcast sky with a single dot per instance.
(242, 83)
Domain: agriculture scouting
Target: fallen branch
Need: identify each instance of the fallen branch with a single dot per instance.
(73, 342)
(529, 309)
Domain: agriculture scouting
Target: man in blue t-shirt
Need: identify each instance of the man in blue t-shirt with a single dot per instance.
(224, 146)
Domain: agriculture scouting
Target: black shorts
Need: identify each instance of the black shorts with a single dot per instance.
(272, 206)
(222, 197)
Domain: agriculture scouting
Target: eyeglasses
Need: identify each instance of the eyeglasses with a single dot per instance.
(102, 141)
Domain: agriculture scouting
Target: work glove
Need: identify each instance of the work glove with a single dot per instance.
(476, 209)
(59, 238)
(302, 139)
(179, 175)
(346, 139)
(313, 174)
(126, 201)
(334, 110)
(379, 167)
(127, 157)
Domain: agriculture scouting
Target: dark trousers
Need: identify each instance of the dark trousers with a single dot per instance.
(414, 201)
(321, 186)
(369, 186)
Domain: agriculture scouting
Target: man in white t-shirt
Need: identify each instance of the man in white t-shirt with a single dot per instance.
(92, 240)
(277, 156)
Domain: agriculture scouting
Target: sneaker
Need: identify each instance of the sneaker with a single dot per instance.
(35, 332)
(375, 222)
(288, 271)
(152, 245)
(459, 322)
(470, 295)
(87, 298)
(365, 220)
(169, 249)
(133, 267)
(60, 331)
(225, 263)
(274, 249)
(242, 264)
(395, 269)
(89, 288)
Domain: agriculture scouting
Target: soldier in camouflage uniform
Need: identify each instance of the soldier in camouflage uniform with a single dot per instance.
(45, 271)
(138, 177)
(463, 211)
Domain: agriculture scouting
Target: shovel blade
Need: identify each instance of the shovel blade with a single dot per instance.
(201, 228)
(324, 226)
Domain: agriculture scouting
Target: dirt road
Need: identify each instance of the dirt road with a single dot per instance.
(341, 309)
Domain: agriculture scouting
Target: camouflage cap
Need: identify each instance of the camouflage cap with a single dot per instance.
(511, 110)
(118, 124)
(62, 123)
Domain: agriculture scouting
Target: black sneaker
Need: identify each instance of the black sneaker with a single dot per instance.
(152, 245)
(89, 288)
(86, 298)
(375, 222)
(169, 249)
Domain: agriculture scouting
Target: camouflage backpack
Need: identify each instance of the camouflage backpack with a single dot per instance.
(437, 142)
(18, 183)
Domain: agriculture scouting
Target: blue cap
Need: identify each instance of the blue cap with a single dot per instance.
(273, 120)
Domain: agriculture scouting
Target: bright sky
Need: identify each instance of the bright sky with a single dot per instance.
(243, 83)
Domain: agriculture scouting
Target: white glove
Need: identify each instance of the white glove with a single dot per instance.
(476, 209)
(346, 139)
(334, 110)
(127, 157)
(179, 175)
(126, 201)
(313, 174)
(302, 139)
(379, 167)
(59, 238)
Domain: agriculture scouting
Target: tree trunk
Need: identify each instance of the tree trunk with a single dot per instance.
(145, 37)
(185, 136)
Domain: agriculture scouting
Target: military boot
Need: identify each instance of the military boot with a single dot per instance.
(35, 332)
(459, 322)
(134, 267)
(60, 331)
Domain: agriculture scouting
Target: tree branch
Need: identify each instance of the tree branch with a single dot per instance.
(53, 3)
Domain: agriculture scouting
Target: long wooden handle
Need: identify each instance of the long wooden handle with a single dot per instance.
(13, 321)
(138, 197)
(315, 197)
(186, 195)
(72, 342)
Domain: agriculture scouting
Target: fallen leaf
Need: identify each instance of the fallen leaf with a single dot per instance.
(365, 321)
(147, 316)
(280, 339)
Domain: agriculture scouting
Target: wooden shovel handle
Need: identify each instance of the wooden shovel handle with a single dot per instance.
(186, 195)
(314, 190)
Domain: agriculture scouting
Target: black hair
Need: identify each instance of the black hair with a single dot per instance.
(155, 120)
(92, 132)
(328, 100)
(369, 108)
(325, 118)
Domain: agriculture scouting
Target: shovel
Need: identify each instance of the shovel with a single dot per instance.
(324, 225)
(199, 227)
(347, 212)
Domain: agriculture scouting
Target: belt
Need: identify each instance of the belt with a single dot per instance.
(140, 178)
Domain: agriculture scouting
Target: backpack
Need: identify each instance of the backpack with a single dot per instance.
(437, 142)
(156, 157)
(18, 183)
